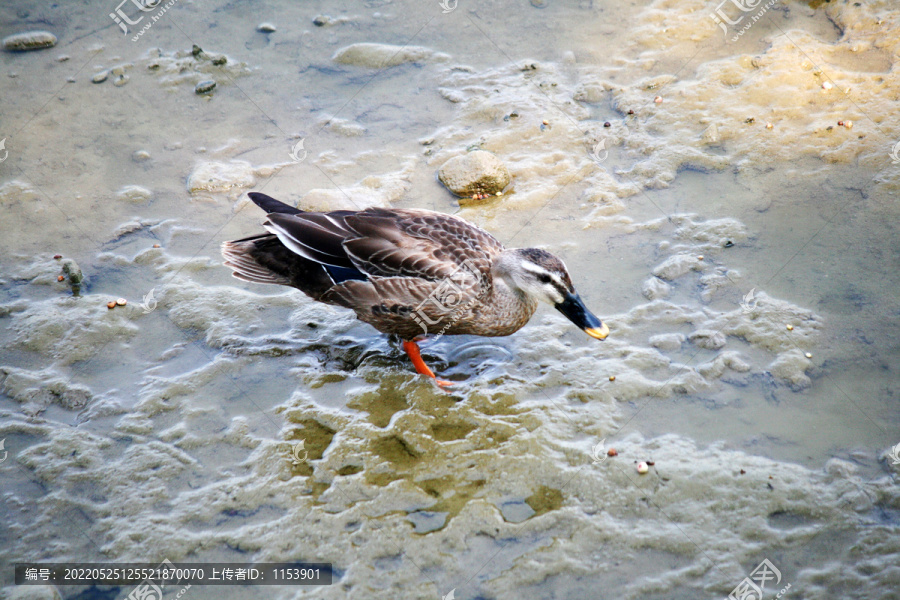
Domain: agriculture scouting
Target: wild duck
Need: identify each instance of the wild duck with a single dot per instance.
(407, 272)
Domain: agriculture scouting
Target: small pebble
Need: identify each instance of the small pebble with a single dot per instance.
(120, 80)
(769, 126)
(61, 278)
(630, 112)
(612, 452)
(140, 156)
(196, 50)
(840, 123)
(612, 377)
(607, 124)
(642, 467)
(57, 256)
(121, 301)
(265, 28)
(658, 99)
(204, 87)
(743, 472)
(700, 257)
(790, 327)
(545, 122)
(62, 57)
(809, 355)
(156, 245)
(729, 243)
(111, 304)
(321, 21)
(826, 85)
(72, 271)
(848, 124)
(219, 60)
(100, 77)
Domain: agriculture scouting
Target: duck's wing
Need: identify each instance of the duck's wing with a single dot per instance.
(418, 243)
(389, 242)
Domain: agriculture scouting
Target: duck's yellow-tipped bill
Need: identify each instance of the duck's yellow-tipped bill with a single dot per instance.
(577, 312)
(598, 332)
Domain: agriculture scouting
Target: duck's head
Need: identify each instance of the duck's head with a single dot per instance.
(539, 275)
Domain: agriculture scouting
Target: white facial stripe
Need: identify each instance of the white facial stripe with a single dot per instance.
(530, 266)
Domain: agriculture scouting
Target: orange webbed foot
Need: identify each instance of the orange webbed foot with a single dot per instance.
(412, 349)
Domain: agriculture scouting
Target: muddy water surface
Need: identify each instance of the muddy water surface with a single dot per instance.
(740, 243)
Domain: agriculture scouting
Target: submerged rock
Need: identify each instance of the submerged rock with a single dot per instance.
(29, 40)
(476, 172)
(134, 193)
(376, 56)
(221, 177)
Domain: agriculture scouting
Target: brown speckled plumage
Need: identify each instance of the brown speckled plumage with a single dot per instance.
(406, 272)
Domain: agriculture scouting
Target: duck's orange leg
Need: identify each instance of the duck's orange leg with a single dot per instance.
(412, 348)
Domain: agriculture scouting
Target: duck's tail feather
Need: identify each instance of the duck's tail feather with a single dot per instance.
(271, 205)
(264, 259)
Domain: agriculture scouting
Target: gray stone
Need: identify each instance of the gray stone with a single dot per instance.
(476, 172)
(29, 40)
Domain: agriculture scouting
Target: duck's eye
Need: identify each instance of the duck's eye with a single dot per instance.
(544, 278)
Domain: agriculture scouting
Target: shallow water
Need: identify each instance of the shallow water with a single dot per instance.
(139, 435)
